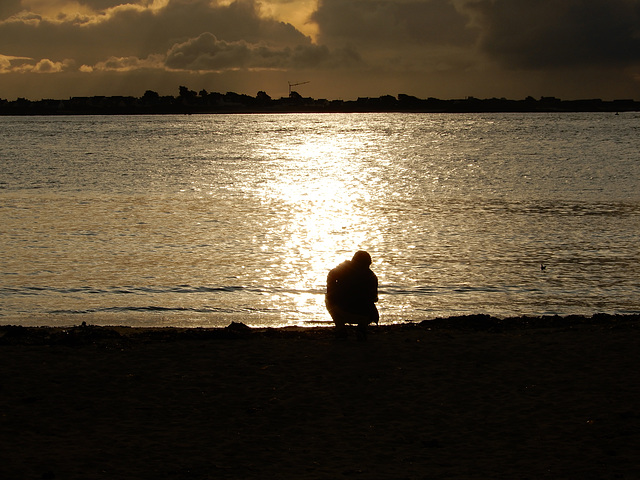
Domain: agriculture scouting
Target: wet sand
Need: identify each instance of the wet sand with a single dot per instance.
(465, 398)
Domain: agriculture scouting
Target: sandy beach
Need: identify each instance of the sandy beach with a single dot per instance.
(460, 398)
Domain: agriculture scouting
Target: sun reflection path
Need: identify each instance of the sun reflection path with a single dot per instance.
(323, 202)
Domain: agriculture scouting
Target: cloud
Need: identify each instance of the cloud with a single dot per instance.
(47, 66)
(207, 53)
(61, 9)
(11, 64)
(547, 33)
(9, 8)
(392, 22)
(125, 64)
(295, 12)
(7, 62)
(516, 33)
(411, 36)
(139, 30)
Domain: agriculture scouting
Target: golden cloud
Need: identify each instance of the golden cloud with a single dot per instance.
(126, 64)
(12, 64)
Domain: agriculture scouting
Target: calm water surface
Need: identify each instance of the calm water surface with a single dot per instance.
(201, 220)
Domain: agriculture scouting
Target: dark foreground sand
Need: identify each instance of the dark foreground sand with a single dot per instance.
(462, 398)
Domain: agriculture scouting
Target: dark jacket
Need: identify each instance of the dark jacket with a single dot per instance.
(352, 287)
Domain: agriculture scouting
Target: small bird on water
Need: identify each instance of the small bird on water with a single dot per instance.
(543, 267)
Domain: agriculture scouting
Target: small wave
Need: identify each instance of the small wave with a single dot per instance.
(188, 289)
(427, 290)
(145, 309)
(403, 290)
(117, 290)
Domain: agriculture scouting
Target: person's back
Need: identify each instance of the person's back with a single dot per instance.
(352, 291)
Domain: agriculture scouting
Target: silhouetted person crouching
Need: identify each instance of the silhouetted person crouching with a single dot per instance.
(352, 291)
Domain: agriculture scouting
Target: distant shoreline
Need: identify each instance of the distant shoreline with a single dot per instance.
(190, 102)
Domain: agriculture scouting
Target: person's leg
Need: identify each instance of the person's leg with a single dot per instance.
(372, 317)
(341, 318)
(338, 316)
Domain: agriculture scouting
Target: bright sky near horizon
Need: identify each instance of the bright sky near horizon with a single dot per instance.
(344, 48)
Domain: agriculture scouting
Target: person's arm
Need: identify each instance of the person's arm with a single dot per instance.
(374, 287)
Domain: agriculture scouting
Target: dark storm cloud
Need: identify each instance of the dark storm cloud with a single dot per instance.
(550, 33)
(519, 33)
(392, 22)
(207, 53)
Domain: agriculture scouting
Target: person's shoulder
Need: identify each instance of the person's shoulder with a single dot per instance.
(344, 266)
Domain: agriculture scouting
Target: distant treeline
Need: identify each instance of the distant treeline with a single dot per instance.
(189, 101)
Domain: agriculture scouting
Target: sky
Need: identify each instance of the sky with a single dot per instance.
(344, 49)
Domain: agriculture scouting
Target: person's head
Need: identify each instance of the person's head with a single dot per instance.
(361, 258)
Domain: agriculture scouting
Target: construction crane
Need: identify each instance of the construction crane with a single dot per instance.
(295, 85)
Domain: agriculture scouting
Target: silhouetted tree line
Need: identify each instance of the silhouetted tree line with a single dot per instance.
(190, 101)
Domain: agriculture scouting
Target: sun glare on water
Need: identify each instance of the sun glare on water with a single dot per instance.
(320, 190)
